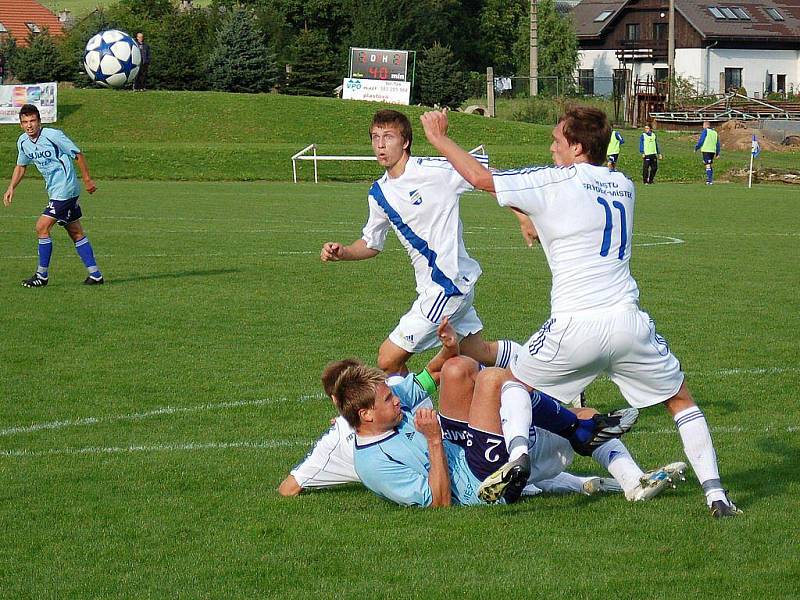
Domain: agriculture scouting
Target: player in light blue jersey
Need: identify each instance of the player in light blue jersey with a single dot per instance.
(400, 453)
(53, 152)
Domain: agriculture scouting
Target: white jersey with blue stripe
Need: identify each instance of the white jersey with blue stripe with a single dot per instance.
(422, 206)
(584, 216)
(330, 461)
(396, 465)
(52, 153)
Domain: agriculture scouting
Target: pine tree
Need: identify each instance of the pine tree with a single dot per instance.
(39, 61)
(314, 71)
(440, 79)
(241, 61)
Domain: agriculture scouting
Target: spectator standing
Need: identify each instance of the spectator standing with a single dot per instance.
(141, 77)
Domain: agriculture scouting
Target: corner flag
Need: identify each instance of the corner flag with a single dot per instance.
(756, 147)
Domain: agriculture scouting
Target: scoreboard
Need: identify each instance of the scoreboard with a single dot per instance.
(383, 65)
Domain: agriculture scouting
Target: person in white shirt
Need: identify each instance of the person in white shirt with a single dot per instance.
(584, 218)
(419, 199)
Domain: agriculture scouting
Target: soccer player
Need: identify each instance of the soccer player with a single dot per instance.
(612, 152)
(52, 152)
(584, 216)
(708, 144)
(419, 199)
(651, 154)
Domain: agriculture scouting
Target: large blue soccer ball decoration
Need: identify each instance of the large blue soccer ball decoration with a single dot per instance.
(112, 58)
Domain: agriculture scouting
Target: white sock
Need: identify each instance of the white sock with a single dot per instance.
(614, 456)
(563, 483)
(506, 349)
(699, 449)
(515, 418)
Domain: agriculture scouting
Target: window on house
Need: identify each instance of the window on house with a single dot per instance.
(717, 13)
(741, 13)
(775, 14)
(603, 16)
(586, 81)
(3, 28)
(632, 32)
(661, 74)
(729, 14)
(781, 87)
(660, 31)
(33, 27)
(733, 78)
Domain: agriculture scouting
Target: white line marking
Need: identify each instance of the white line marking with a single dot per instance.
(165, 410)
(752, 371)
(189, 447)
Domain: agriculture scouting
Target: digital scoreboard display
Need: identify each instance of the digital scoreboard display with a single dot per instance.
(383, 65)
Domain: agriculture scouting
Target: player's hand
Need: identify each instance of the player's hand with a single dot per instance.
(8, 196)
(435, 124)
(88, 183)
(529, 233)
(331, 252)
(447, 335)
(660, 157)
(426, 421)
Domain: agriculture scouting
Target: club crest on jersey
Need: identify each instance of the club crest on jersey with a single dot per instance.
(416, 197)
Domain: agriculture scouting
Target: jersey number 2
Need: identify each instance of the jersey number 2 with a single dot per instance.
(623, 236)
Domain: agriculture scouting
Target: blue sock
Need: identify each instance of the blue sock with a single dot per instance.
(710, 175)
(549, 414)
(45, 252)
(84, 249)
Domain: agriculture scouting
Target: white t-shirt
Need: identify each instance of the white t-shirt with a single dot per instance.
(584, 216)
(330, 461)
(422, 207)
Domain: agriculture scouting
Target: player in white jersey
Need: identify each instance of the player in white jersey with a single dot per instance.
(52, 152)
(419, 199)
(584, 217)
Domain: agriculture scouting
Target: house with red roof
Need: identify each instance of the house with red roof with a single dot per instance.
(20, 18)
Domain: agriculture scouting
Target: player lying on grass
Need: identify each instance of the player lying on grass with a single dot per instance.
(419, 199)
(52, 153)
(553, 453)
(584, 216)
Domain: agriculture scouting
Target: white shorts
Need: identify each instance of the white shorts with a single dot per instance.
(550, 455)
(571, 350)
(416, 331)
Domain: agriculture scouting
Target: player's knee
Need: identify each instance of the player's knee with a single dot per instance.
(458, 368)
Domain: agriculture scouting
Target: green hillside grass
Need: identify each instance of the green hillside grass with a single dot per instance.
(212, 136)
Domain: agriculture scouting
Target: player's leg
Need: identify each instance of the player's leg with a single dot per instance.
(653, 169)
(709, 162)
(45, 251)
(84, 249)
(456, 388)
(490, 354)
(645, 170)
(392, 358)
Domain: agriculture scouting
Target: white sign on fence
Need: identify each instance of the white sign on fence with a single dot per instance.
(376, 90)
(43, 95)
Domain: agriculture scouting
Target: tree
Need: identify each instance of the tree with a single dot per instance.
(314, 71)
(39, 61)
(241, 61)
(440, 79)
(558, 47)
(500, 23)
(181, 45)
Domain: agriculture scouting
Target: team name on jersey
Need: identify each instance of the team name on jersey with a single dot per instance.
(607, 188)
(38, 154)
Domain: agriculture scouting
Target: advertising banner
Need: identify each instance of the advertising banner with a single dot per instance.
(376, 90)
(43, 95)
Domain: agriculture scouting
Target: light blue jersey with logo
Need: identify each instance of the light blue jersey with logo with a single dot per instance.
(52, 153)
(396, 465)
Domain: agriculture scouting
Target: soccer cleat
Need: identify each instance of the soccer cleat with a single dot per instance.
(724, 508)
(595, 485)
(94, 280)
(35, 281)
(606, 427)
(507, 482)
(654, 482)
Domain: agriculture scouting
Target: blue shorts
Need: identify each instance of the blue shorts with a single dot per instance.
(612, 158)
(63, 211)
(708, 158)
(486, 452)
(454, 431)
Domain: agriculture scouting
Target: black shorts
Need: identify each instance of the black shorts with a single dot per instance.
(612, 158)
(708, 158)
(486, 452)
(63, 211)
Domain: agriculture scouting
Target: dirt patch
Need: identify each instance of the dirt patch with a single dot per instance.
(766, 175)
(735, 135)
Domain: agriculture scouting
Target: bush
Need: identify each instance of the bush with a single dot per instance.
(41, 60)
(440, 79)
(314, 71)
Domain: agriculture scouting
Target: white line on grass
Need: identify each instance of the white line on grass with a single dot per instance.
(157, 412)
(189, 447)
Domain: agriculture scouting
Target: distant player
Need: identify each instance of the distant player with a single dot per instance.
(708, 144)
(419, 199)
(651, 154)
(52, 152)
(612, 152)
(584, 216)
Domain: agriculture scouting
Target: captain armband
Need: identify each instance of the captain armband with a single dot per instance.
(425, 380)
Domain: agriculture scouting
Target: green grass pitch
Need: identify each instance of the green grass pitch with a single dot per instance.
(145, 424)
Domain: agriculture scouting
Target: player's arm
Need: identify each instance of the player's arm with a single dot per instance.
(435, 124)
(427, 423)
(16, 177)
(529, 233)
(358, 250)
(289, 487)
(88, 183)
